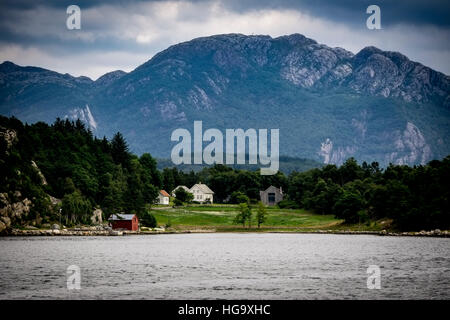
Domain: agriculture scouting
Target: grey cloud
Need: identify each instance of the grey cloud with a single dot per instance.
(133, 27)
(430, 12)
(417, 12)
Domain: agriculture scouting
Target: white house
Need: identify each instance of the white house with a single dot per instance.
(202, 193)
(183, 187)
(163, 197)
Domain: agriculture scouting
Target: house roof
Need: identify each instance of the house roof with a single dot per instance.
(272, 188)
(164, 193)
(117, 217)
(203, 188)
(184, 187)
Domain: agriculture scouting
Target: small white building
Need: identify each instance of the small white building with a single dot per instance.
(163, 197)
(202, 193)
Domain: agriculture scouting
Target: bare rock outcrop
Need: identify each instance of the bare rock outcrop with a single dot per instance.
(97, 217)
(12, 211)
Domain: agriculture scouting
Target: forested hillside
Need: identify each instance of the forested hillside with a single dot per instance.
(328, 103)
(63, 171)
(78, 168)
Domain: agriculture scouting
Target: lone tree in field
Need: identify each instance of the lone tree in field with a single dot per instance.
(244, 214)
(261, 214)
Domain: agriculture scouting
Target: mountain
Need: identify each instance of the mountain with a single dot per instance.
(328, 103)
(287, 165)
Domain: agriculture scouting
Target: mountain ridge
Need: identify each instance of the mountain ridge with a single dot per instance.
(374, 105)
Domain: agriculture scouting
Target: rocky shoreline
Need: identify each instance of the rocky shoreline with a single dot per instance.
(433, 233)
(99, 231)
(68, 232)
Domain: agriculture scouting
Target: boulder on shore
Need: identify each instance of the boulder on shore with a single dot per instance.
(96, 217)
(115, 233)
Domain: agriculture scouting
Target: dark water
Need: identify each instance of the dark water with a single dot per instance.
(225, 266)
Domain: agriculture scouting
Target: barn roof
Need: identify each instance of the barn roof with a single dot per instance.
(117, 217)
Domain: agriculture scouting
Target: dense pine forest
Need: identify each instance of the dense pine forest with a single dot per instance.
(64, 170)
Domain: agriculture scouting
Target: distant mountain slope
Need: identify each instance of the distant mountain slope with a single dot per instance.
(287, 165)
(328, 103)
(35, 94)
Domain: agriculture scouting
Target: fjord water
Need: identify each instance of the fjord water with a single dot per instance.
(225, 266)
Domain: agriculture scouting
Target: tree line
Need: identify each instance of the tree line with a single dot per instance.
(81, 169)
(415, 197)
(87, 172)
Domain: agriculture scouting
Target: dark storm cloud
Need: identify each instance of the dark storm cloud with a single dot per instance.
(417, 12)
(130, 32)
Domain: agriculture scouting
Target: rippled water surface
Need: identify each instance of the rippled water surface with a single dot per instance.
(225, 266)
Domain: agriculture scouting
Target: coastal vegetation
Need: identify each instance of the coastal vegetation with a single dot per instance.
(66, 172)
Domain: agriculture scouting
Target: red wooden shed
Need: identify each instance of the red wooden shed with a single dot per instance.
(124, 221)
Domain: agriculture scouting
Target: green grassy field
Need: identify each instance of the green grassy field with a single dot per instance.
(220, 218)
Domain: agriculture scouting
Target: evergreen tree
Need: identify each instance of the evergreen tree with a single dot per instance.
(119, 151)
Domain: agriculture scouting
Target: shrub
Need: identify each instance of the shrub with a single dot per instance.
(168, 224)
(183, 195)
(239, 197)
(261, 214)
(148, 220)
(177, 202)
(287, 204)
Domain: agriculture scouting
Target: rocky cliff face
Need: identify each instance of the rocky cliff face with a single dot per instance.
(411, 147)
(13, 210)
(328, 103)
(23, 197)
(13, 207)
(305, 63)
(391, 74)
(8, 136)
(83, 114)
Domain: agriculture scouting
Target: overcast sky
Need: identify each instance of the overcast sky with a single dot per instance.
(124, 34)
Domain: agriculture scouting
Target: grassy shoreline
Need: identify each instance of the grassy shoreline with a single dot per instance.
(219, 219)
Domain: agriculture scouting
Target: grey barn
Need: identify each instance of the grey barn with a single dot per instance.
(271, 196)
